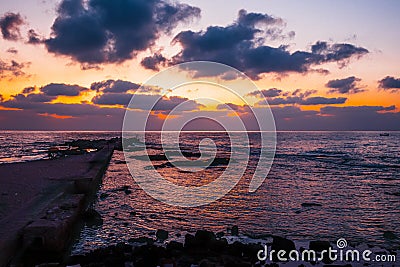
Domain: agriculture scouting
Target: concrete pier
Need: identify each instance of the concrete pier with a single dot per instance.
(42, 201)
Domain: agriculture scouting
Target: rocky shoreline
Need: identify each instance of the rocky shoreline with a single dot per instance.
(205, 249)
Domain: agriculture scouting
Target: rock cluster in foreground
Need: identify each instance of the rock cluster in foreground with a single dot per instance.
(202, 249)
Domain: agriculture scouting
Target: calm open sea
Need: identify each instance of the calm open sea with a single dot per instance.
(353, 177)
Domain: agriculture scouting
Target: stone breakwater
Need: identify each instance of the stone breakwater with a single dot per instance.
(42, 202)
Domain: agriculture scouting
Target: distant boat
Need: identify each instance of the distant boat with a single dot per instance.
(384, 134)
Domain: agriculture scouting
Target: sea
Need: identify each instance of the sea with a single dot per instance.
(321, 186)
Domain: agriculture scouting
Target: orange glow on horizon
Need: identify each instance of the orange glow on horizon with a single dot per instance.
(62, 117)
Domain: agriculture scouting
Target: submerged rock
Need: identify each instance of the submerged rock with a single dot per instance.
(203, 237)
(280, 243)
(389, 235)
(174, 245)
(92, 217)
(162, 235)
(310, 204)
(128, 191)
(319, 246)
(220, 234)
(235, 230)
(103, 196)
(141, 240)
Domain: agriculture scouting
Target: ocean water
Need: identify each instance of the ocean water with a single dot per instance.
(20, 146)
(352, 177)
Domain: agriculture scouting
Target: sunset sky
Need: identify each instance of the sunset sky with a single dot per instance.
(321, 65)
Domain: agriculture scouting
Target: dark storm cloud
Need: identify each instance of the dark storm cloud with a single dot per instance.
(103, 31)
(276, 96)
(39, 103)
(292, 100)
(272, 92)
(60, 89)
(319, 100)
(10, 24)
(237, 108)
(301, 93)
(146, 102)
(12, 69)
(28, 119)
(243, 45)
(34, 38)
(153, 62)
(114, 86)
(169, 103)
(390, 83)
(355, 109)
(357, 118)
(337, 52)
(27, 101)
(28, 90)
(254, 19)
(112, 99)
(345, 86)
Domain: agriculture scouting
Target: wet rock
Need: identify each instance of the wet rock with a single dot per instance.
(189, 241)
(389, 235)
(204, 238)
(219, 234)
(338, 265)
(236, 249)
(162, 235)
(183, 171)
(220, 161)
(235, 230)
(319, 246)
(218, 245)
(121, 189)
(149, 255)
(186, 260)
(251, 250)
(128, 192)
(92, 217)
(173, 245)
(141, 240)
(280, 243)
(206, 263)
(155, 157)
(310, 204)
(103, 196)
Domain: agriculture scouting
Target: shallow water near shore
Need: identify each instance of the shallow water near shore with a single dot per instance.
(322, 185)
